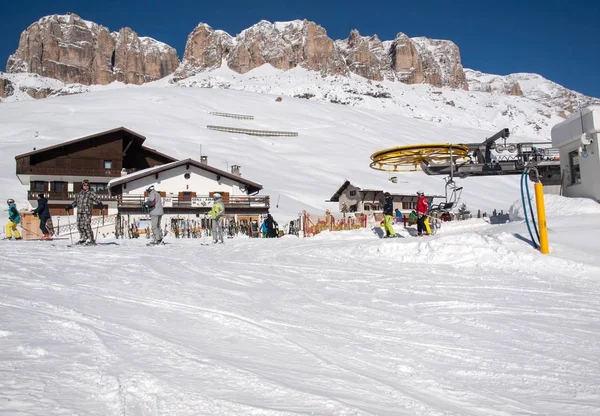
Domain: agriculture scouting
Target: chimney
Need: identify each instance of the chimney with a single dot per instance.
(123, 172)
(235, 170)
(204, 160)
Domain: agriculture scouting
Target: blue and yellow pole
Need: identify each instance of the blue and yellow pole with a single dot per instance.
(541, 212)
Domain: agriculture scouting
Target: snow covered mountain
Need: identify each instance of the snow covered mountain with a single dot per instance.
(542, 104)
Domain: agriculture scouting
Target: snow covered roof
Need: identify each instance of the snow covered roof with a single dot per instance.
(251, 186)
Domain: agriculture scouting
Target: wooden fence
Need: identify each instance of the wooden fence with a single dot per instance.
(314, 224)
(252, 132)
(230, 115)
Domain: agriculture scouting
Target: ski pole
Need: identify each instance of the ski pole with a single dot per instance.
(69, 221)
(98, 226)
(25, 229)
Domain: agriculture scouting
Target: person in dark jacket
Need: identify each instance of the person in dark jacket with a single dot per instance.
(43, 213)
(271, 226)
(84, 201)
(388, 212)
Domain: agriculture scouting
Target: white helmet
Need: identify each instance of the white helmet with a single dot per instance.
(420, 193)
(217, 195)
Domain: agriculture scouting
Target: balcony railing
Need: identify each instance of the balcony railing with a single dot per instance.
(38, 170)
(203, 201)
(66, 195)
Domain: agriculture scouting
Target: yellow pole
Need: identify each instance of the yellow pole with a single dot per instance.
(541, 212)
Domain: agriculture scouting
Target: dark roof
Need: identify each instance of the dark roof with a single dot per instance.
(156, 152)
(336, 196)
(252, 186)
(140, 138)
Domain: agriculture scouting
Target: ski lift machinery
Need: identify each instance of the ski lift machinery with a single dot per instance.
(470, 159)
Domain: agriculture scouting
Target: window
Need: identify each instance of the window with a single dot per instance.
(60, 186)
(107, 164)
(575, 171)
(39, 186)
(99, 188)
(353, 193)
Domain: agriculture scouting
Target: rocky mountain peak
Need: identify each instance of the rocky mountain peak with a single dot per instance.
(73, 50)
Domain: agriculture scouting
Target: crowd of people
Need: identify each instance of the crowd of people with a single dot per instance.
(152, 205)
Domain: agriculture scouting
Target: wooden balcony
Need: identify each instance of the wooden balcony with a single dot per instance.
(67, 196)
(64, 171)
(199, 203)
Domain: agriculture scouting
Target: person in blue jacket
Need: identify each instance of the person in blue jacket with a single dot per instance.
(14, 218)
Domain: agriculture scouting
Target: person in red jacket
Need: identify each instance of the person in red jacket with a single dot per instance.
(422, 210)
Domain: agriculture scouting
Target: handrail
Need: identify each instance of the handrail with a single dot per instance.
(67, 195)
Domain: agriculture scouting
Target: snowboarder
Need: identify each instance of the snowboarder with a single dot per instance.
(388, 212)
(14, 218)
(84, 201)
(43, 213)
(153, 204)
(216, 213)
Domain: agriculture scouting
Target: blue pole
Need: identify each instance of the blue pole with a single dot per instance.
(525, 211)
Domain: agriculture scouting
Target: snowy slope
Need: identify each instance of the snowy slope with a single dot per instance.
(470, 322)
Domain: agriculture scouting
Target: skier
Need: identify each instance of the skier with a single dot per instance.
(43, 213)
(263, 229)
(13, 219)
(216, 213)
(388, 212)
(271, 226)
(153, 205)
(422, 210)
(84, 201)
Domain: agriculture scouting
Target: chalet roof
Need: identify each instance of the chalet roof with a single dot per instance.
(336, 196)
(251, 186)
(138, 138)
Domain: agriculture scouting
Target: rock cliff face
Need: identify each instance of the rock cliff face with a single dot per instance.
(283, 45)
(67, 48)
(6, 88)
(286, 45)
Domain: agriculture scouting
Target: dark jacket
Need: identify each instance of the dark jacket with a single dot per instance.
(42, 210)
(388, 206)
(270, 222)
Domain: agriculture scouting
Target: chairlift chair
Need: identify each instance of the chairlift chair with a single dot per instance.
(452, 196)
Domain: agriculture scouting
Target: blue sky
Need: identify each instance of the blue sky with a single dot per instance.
(556, 39)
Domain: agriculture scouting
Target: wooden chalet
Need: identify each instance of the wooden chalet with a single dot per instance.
(57, 171)
(351, 198)
(187, 187)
